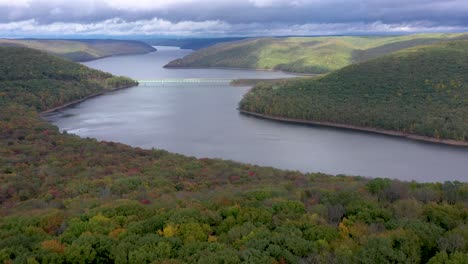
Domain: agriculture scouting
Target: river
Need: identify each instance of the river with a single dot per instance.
(201, 120)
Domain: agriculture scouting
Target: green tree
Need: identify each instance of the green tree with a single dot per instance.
(90, 248)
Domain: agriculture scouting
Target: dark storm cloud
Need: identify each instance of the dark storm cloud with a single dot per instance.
(255, 14)
(437, 11)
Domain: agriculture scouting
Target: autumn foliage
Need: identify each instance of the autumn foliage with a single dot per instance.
(66, 199)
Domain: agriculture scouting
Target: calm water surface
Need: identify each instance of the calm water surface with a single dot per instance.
(201, 120)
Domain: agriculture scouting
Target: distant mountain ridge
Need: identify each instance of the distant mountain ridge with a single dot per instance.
(304, 54)
(191, 43)
(82, 49)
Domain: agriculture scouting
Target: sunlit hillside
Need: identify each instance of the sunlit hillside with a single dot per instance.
(304, 54)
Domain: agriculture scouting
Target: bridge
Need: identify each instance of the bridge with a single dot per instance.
(184, 82)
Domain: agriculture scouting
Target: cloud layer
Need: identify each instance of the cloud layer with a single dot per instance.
(223, 17)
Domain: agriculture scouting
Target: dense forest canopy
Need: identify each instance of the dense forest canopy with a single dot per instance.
(65, 199)
(304, 54)
(82, 50)
(421, 90)
(33, 78)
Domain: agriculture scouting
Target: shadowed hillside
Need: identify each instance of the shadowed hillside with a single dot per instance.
(36, 79)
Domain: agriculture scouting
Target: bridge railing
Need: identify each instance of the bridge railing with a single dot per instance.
(185, 81)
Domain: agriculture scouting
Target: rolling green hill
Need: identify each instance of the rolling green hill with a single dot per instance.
(82, 50)
(65, 199)
(47, 81)
(304, 54)
(421, 90)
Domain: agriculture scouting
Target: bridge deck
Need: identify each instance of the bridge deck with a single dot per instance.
(185, 80)
(182, 81)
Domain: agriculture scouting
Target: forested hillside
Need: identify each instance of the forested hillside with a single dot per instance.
(82, 50)
(304, 54)
(65, 199)
(422, 91)
(33, 78)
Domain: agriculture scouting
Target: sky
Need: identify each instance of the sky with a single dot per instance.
(59, 18)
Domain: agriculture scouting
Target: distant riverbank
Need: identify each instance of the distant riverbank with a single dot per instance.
(167, 66)
(357, 128)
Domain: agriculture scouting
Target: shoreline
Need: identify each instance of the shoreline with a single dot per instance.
(48, 111)
(253, 82)
(241, 68)
(450, 142)
(110, 56)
